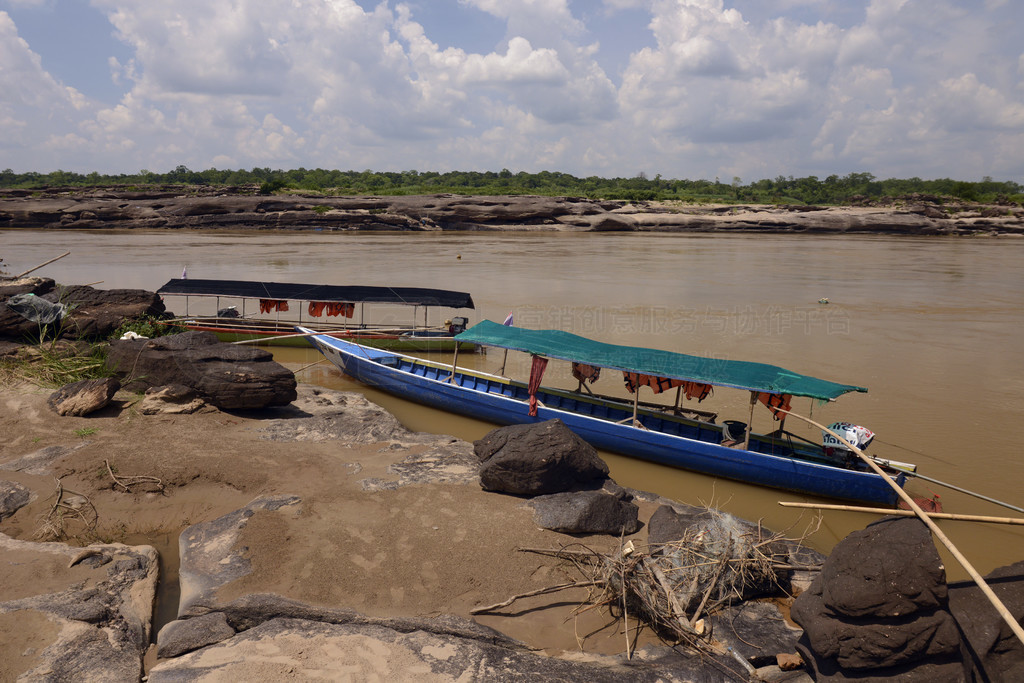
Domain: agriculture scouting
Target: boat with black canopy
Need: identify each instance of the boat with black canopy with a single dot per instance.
(400, 318)
(674, 435)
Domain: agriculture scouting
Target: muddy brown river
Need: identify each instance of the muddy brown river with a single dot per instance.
(933, 327)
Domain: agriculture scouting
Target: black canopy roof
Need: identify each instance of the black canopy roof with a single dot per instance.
(413, 296)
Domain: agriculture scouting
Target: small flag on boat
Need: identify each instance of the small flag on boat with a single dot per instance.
(508, 320)
(184, 273)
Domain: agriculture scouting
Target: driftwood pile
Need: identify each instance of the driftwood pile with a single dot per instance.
(672, 587)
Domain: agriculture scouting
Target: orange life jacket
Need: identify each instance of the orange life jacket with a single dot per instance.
(775, 402)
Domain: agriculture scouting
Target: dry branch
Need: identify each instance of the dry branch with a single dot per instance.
(127, 482)
(54, 525)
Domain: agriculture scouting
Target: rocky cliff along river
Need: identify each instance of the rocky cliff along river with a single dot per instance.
(212, 208)
(931, 325)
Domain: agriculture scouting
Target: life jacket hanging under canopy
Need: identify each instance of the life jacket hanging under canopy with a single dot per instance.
(586, 373)
(658, 384)
(775, 402)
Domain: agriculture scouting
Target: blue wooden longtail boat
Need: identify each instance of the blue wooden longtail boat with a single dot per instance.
(668, 435)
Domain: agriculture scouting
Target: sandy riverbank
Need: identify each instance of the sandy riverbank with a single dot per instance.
(364, 538)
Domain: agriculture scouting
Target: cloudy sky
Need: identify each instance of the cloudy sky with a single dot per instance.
(682, 88)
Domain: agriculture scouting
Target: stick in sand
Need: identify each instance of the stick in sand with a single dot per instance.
(936, 531)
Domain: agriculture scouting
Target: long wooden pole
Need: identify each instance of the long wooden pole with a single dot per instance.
(455, 362)
(18, 277)
(936, 531)
(903, 513)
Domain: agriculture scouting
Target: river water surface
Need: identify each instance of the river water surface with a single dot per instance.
(933, 327)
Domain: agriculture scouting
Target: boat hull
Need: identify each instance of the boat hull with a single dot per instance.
(500, 401)
(287, 337)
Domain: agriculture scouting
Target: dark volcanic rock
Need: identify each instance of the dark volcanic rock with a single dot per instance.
(587, 512)
(282, 647)
(879, 608)
(228, 376)
(185, 635)
(534, 459)
(96, 313)
(84, 397)
(13, 497)
(890, 569)
(990, 645)
(91, 313)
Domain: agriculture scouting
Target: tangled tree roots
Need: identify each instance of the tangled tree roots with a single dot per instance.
(72, 516)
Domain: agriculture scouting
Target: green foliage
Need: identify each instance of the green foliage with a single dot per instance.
(86, 431)
(146, 326)
(779, 190)
(54, 364)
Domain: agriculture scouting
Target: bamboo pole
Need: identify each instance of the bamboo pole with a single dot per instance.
(455, 362)
(963, 490)
(283, 336)
(904, 513)
(18, 277)
(936, 531)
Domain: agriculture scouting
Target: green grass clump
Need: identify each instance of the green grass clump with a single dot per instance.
(53, 364)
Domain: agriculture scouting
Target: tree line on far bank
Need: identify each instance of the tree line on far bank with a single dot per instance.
(832, 190)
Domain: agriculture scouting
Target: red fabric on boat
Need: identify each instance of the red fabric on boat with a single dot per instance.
(536, 375)
(316, 308)
(271, 305)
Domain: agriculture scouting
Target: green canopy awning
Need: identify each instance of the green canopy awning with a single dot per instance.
(715, 371)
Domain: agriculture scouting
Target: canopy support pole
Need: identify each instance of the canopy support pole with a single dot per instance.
(636, 405)
(936, 531)
(501, 370)
(750, 421)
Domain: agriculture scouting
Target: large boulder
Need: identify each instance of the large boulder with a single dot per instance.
(228, 376)
(83, 397)
(609, 510)
(989, 643)
(879, 609)
(89, 313)
(96, 313)
(534, 459)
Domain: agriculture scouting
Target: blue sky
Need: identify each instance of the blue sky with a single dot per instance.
(682, 88)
